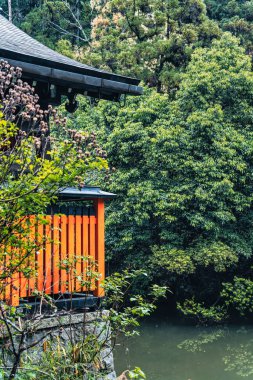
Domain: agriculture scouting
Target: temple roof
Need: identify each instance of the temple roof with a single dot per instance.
(87, 192)
(40, 63)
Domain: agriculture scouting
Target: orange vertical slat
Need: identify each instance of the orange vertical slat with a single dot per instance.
(7, 281)
(23, 258)
(40, 258)
(85, 245)
(100, 245)
(56, 253)
(2, 268)
(63, 250)
(23, 285)
(48, 256)
(14, 255)
(31, 256)
(15, 279)
(92, 245)
(92, 237)
(78, 252)
(15, 289)
(71, 252)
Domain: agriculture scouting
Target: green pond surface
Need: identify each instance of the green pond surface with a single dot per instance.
(170, 351)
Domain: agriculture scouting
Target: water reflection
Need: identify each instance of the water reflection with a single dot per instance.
(237, 358)
(168, 351)
(203, 339)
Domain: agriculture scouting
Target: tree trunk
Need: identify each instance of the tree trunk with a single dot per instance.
(10, 10)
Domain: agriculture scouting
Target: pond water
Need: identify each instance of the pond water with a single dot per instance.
(169, 351)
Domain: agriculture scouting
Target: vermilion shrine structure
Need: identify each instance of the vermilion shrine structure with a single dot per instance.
(70, 239)
(74, 229)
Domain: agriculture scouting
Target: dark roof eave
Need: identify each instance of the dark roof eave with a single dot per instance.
(75, 80)
(17, 46)
(72, 193)
(24, 58)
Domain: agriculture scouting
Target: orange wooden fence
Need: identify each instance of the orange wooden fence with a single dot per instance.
(60, 263)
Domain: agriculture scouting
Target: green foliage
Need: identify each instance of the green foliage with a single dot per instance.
(152, 39)
(57, 24)
(71, 360)
(239, 295)
(204, 315)
(184, 162)
(217, 254)
(235, 16)
(30, 188)
(80, 355)
(173, 260)
(123, 318)
(30, 180)
(19, 8)
(183, 174)
(204, 254)
(136, 374)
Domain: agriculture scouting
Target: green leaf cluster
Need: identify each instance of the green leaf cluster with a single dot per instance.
(235, 16)
(183, 175)
(239, 295)
(152, 39)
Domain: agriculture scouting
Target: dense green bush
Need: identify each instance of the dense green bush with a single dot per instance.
(183, 174)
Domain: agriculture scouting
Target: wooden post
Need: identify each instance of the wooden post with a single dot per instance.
(100, 244)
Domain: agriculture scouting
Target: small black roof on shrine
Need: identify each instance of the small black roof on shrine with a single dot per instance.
(87, 192)
(40, 63)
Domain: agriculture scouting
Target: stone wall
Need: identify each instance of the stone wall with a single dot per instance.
(78, 325)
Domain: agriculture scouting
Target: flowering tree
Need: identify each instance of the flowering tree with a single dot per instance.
(34, 166)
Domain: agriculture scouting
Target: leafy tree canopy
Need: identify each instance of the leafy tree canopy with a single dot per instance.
(150, 39)
(183, 173)
(184, 161)
(57, 24)
(235, 16)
